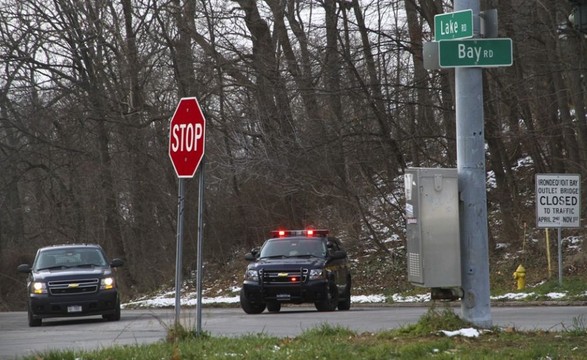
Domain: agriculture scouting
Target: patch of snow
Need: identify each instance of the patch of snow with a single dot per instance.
(524, 162)
(413, 298)
(190, 299)
(556, 296)
(499, 246)
(363, 299)
(468, 332)
(166, 299)
(491, 182)
(512, 296)
(522, 296)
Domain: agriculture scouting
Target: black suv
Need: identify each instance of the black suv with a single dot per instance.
(71, 280)
(297, 266)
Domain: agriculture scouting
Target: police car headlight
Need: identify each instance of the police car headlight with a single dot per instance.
(107, 283)
(252, 275)
(316, 274)
(38, 288)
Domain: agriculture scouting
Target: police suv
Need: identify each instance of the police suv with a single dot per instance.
(297, 266)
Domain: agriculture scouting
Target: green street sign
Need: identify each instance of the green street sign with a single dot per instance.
(455, 25)
(475, 53)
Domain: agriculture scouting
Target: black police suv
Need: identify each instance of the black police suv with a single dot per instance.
(297, 266)
(71, 280)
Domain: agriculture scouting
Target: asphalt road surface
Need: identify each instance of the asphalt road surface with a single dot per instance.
(17, 339)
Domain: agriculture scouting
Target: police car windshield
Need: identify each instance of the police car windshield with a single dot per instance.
(294, 247)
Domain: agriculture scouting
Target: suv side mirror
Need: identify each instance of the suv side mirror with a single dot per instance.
(116, 262)
(24, 268)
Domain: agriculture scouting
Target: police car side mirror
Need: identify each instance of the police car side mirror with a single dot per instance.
(250, 257)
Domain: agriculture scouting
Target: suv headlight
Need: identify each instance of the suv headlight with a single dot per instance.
(316, 274)
(252, 275)
(38, 288)
(107, 283)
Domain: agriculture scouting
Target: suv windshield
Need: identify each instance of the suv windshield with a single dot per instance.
(295, 247)
(68, 258)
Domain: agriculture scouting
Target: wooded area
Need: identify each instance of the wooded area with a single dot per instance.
(314, 109)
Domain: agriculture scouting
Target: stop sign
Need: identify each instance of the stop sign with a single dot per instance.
(187, 137)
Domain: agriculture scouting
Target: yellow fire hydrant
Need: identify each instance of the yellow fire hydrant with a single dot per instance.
(520, 277)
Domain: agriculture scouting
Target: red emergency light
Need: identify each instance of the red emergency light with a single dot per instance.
(306, 232)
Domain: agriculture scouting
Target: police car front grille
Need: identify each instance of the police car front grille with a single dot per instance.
(74, 287)
(275, 277)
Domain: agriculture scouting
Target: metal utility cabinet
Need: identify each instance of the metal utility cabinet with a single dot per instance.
(432, 223)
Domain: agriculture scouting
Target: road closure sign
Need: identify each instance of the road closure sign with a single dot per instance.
(558, 200)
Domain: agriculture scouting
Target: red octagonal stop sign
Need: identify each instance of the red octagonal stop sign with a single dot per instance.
(187, 137)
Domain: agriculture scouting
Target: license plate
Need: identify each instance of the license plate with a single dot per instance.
(283, 297)
(74, 308)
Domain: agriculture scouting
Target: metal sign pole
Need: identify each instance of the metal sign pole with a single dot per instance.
(178, 251)
(472, 185)
(199, 248)
(560, 258)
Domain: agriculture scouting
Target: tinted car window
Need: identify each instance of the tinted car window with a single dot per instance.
(68, 258)
(293, 247)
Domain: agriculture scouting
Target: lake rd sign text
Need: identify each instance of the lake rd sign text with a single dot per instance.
(455, 25)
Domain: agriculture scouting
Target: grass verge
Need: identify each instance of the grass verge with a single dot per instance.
(421, 340)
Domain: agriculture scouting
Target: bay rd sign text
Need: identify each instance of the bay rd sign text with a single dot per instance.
(475, 53)
(558, 200)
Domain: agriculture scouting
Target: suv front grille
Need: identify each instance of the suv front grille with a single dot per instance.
(74, 287)
(275, 277)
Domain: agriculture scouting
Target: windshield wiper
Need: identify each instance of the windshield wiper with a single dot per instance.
(274, 257)
(309, 256)
(87, 265)
(54, 267)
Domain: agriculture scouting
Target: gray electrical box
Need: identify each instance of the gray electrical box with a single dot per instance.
(432, 223)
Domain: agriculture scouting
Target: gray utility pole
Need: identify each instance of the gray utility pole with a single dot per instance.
(472, 184)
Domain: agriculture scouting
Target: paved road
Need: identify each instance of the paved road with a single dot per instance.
(147, 326)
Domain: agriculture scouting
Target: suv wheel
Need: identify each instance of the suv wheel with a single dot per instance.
(273, 306)
(331, 301)
(116, 315)
(249, 307)
(32, 321)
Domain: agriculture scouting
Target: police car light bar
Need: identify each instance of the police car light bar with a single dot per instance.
(307, 232)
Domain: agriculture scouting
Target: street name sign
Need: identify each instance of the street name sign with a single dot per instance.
(475, 53)
(455, 25)
(558, 200)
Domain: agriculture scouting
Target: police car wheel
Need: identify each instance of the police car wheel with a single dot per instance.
(273, 306)
(331, 301)
(249, 307)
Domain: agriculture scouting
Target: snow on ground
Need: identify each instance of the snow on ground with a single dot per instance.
(190, 299)
(467, 332)
(167, 299)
